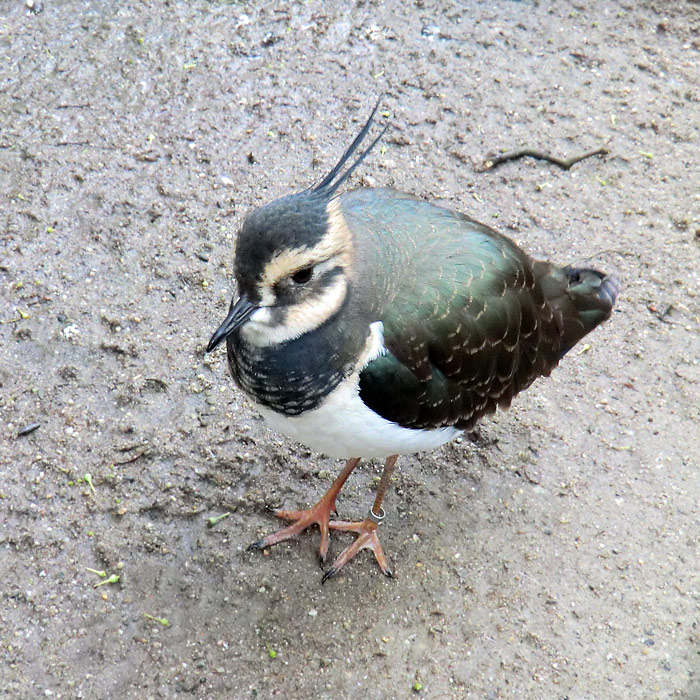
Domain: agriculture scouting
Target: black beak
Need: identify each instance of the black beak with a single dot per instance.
(238, 314)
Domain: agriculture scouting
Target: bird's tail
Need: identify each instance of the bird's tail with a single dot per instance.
(581, 299)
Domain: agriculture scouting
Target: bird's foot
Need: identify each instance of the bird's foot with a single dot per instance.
(318, 514)
(367, 538)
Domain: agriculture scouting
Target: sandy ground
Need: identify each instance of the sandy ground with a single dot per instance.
(556, 556)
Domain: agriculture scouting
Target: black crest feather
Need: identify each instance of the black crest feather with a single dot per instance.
(330, 184)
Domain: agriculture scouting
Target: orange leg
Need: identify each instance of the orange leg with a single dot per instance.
(319, 514)
(367, 536)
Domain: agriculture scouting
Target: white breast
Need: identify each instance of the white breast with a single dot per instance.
(343, 426)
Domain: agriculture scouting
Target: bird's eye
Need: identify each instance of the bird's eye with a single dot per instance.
(303, 276)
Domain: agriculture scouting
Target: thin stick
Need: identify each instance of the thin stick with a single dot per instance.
(132, 459)
(565, 163)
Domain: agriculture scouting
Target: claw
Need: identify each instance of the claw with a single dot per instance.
(329, 574)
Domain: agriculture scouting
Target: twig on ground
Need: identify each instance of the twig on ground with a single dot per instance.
(491, 162)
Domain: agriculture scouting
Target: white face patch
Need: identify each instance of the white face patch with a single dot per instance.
(264, 328)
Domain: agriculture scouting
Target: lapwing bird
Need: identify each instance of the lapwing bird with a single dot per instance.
(371, 324)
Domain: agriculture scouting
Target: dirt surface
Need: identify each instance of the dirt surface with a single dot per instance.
(556, 557)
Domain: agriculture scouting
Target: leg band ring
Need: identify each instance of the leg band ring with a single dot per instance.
(376, 518)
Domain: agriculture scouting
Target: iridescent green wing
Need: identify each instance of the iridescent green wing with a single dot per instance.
(466, 325)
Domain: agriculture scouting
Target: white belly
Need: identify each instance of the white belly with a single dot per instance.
(344, 427)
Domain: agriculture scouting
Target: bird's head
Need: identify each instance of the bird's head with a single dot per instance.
(293, 262)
